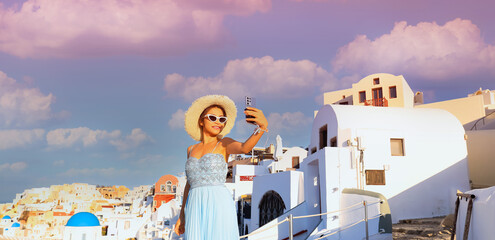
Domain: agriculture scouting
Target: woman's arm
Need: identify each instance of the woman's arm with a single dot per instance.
(184, 198)
(180, 226)
(235, 147)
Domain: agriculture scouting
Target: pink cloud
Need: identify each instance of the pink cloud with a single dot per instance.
(284, 124)
(72, 28)
(254, 77)
(288, 122)
(137, 138)
(19, 138)
(426, 50)
(68, 137)
(177, 119)
(22, 106)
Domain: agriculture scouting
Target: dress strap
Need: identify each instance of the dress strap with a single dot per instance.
(189, 153)
(216, 145)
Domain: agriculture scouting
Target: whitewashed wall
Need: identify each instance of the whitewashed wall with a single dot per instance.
(238, 187)
(420, 184)
(286, 161)
(288, 185)
(77, 232)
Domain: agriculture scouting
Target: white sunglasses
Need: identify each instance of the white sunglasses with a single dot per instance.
(214, 118)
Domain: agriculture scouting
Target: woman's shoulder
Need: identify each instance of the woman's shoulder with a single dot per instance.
(190, 148)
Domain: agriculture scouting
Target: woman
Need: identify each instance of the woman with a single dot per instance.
(208, 210)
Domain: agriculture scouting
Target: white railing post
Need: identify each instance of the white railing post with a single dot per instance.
(291, 230)
(366, 219)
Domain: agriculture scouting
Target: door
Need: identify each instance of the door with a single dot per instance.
(377, 93)
(377, 97)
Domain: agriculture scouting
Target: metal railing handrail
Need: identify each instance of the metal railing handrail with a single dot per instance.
(260, 231)
(291, 217)
(483, 118)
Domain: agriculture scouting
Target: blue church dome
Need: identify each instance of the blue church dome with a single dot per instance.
(83, 219)
(15, 225)
(6, 217)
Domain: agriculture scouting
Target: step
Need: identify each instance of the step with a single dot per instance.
(426, 228)
(435, 220)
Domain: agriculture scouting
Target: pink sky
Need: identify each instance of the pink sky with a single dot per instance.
(95, 91)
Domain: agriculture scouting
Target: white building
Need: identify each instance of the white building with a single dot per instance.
(417, 158)
(83, 225)
(164, 220)
(47, 206)
(243, 175)
(290, 159)
(253, 183)
(5, 223)
(12, 231)
(137, 193)
(86, 192)
(274, 194)
(122, 227)
(40, 231)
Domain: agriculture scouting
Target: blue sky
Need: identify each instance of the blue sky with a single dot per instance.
(94, 93)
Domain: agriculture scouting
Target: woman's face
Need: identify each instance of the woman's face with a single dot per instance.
(213, 128)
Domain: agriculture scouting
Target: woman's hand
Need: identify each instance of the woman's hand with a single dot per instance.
(180, 225)
(235, 147)
(258, 117)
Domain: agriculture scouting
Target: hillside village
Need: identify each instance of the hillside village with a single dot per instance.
(366, 138)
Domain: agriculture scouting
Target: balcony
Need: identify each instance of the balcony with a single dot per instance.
(377, 102)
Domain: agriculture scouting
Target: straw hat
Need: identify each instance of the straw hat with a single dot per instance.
(199, 105)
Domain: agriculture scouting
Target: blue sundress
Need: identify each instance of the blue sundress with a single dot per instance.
(210, 210)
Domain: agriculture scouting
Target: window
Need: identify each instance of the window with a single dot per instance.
(344, 103)
(127, 225)
(376, 81)
(375, 177)
(397, 146)
(323, 136)
(362, 96)
(163, 188)
(169, 186)
(104, 230)
(393, 92)
(174, 189)
(271, 206)
(333, 142)
(295, 162)
(246, 210)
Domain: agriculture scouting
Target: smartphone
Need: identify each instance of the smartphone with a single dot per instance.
(249, 102)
